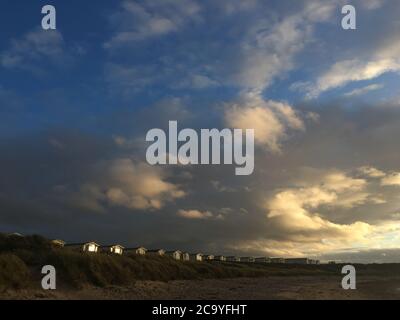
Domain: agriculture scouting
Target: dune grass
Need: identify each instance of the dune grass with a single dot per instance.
(21, 260)
(14, 273)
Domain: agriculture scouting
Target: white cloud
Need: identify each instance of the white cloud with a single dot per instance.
(195, 214)
(271, 120)
(372, 4)
(386, 179)
(268, 51)
(292, 206)
(366, 237)
(364, 90)
(338, 181)
(35, 47)
(392, 179)
(204, 215)
(151, 18)
(124, 183)
(371, 172)
(382, 60)
(295, 211)
(264, 50)
(344, 72)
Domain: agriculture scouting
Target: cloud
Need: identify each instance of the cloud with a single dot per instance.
(251, 56)
(195, 214)
(265, 55)
(320, 207)
(221, 188)
(269, 50)
(382, 59)
(125, 183)
(344, 72)
(338, 181)
(271, 120)
(299, 215)
(330, 191)
(392, 179)
(363, 238)
(137, 21)
(364, 90)
(234, 6)
(34, 48)
(372, 4)
(295, 212)
(386, 179)
(159, 52)
(371, 172)
(197, 81)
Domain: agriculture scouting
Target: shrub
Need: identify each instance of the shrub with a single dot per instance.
(14, 274)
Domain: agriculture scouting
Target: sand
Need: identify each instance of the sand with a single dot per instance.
(275, 288)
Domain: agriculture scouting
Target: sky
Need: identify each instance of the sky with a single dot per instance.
(76, 104)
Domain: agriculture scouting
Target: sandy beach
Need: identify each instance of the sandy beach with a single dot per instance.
(274, 288)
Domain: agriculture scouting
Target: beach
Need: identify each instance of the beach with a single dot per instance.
(270, 288)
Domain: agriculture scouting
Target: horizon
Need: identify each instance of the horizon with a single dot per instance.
(355, 260)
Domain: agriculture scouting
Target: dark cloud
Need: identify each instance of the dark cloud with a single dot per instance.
(42, 174)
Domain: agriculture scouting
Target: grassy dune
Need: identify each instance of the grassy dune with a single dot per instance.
(21, 260)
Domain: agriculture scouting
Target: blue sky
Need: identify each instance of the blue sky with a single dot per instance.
(100, 73)
(76, 103)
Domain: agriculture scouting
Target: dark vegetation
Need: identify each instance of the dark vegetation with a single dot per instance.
(21, 260)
